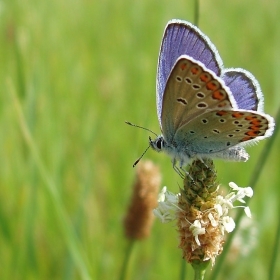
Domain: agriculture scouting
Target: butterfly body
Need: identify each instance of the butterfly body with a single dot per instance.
(204, 110)
(186, 155)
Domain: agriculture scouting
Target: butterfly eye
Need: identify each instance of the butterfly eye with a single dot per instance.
(159, 144)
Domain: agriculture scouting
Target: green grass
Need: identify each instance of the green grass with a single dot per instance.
(79, 69)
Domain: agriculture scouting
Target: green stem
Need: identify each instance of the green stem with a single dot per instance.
(199, 269)
(183, 270)
(199, 274)
(196, 12)
(127, 256)
(20, 70)
(274, 254)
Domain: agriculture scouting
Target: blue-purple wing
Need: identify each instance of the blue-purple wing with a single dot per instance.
(245, 89)
(183, 38)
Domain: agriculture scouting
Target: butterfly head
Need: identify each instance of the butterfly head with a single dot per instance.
(157, 144)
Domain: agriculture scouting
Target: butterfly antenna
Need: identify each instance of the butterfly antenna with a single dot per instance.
(136, 162)
(135, 125)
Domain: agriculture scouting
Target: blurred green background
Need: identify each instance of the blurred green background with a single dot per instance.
(79, 69)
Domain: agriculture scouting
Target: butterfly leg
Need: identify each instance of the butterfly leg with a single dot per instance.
(178, 171)
(188, 174)
(181, 170)
(205, 164)
(175, 167)
(185, 171)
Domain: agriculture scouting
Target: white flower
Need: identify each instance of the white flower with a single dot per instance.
(161, 196)
(248, 191)
(224, 204)
(167, 206)
(241, 192)
(213, 222)
(219, 209)
(196, 230)
(228, 224)
(248, 212)
(233, 186)
(219, 219)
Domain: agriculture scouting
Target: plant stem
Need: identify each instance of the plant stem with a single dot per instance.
(123, 273)
(196, 12)
(273, 261)
(199, 269)
(183, 270)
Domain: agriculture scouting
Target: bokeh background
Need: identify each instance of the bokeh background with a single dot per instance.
(77, 70)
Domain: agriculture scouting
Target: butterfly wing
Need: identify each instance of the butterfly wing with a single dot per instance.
(245, 89)
(218, 130)
(183, 38)
(191, 90)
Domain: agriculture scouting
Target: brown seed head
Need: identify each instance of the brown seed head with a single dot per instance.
(139, 218)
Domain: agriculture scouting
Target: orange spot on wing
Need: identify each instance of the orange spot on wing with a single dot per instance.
(204, 78)
(221, 113)
(237, 115)
(184, 66)
(253, 133)
(255, 122)
(194, 70)
(212, 86)
(249, 118)
(246, 139)
(218, 95)
(257, 127)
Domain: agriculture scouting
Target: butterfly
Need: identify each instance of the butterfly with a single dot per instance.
(204, 110)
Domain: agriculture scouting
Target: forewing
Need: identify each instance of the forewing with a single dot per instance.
(191, 90)
(183, 38)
